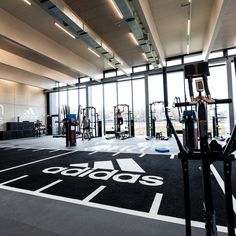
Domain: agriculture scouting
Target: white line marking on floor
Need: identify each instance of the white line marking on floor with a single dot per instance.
(91, 153)
(115, 154)
(22, 149)
(33, 162)
(143, 154)
(37, 150)
(54, 150)
(129, 164)
(8, 148)
(156, 204)
(169, 219)
(94, 193)
(222, 184)
(12, 180)
(172, 156)
(48, 186)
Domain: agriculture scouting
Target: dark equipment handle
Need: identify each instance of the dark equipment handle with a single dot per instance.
(205, 82)
(220, 101)
(190, 86)
(183, 104)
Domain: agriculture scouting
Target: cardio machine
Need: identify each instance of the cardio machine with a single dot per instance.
(207, 153)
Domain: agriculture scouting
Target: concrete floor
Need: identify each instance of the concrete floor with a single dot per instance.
(23, 214)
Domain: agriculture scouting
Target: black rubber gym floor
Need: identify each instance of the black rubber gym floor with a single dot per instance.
(151, 184)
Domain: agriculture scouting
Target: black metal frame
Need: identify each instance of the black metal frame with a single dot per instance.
(207, 154)
(152, 120)
(126, 119)
(92, 115)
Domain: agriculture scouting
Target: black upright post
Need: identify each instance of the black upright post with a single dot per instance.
(206, 176)
(183, 158)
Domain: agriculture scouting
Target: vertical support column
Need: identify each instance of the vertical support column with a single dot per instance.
(166, 103)
(165, 88)
(230, 94)
(117, 97)
(146, 104)
(59, 109)
(132, 98)
(103, 110)
(87, 95)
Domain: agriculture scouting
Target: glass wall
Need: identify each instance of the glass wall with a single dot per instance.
(124, 93)
(53, 101)
(73, 101)
(175, 90)
(217, 82)
(110, 100)
(97, 100)
(234, 88)
(82, 97)
(139, 107)
(156, 98)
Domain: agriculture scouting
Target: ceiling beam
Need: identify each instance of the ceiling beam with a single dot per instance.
(23, 77)
(35, 68)
(145, 7)
(217, 15)
(19, 32)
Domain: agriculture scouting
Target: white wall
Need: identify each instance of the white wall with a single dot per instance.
(23, 101)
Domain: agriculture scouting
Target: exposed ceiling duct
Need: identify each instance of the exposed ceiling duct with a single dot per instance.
(59, 10)
(138, 31)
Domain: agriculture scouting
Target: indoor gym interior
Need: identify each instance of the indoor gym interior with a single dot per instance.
(63, 60)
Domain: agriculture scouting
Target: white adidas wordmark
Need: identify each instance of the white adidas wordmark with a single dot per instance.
(104, 170)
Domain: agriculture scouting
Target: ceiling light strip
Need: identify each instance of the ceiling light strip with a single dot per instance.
(133, 38)
(187, 48)
(64, 30)
(92, 51)
(117, 9)
(111, 65)
(189, 27)
(28, 2)
(144, 55)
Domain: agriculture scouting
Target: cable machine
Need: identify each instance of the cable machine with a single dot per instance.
(123, 115)
(152, 121)
(208, 153)
(95, 123)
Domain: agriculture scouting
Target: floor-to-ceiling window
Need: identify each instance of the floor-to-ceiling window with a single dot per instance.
(233, 71)
(53, 101)
(139, 106)
(218, 87)
(97, 100)
(73, 101)
(156, 106)
(175, 91)
(124, 93)
(82, 97)
(110, 100)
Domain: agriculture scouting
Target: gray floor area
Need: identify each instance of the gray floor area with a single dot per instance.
(23, 214)
(131, 145)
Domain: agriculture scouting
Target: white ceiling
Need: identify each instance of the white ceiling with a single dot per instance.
(32, 45)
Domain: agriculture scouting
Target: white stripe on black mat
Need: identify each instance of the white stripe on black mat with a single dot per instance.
(91, 153)
(48, 186)
(94, 193)
(33, 162)
(13, 180)
(156, 204)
